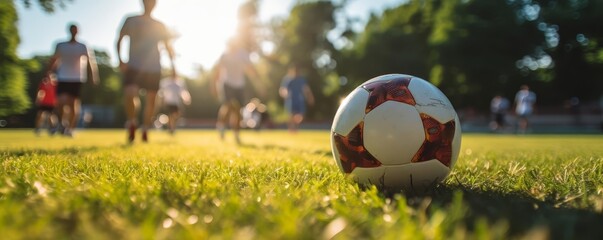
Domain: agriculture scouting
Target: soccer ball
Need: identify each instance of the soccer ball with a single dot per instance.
(398, 132)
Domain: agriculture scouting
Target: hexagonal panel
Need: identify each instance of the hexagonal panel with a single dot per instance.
(350, 112)
(431, 101)
(393, 132)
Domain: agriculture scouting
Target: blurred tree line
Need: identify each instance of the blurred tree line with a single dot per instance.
(470, 49)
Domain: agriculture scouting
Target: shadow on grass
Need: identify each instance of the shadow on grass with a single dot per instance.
(522, 213)
(270, 147)
(67, 150)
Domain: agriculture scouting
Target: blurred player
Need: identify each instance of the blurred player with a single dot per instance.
(174, 96)
(143, 69)
(524, 107)
(71, 59)
(296, 92)
(229, 85)
(46, 101)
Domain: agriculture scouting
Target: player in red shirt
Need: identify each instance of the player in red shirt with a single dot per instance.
(46, 101)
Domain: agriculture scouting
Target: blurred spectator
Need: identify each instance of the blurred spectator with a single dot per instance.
(498, 109)
(524, 107)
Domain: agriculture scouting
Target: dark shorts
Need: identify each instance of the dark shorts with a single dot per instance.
(70, 88)
(45, 108)
(172, 108)
(231, 94)
(145, 80)
(295, 107)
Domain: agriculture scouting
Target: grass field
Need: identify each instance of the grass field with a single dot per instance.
(282, 186)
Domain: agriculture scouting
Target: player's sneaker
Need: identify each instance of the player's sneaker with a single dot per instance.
(145, 137)
(68, 133)
(131, 132)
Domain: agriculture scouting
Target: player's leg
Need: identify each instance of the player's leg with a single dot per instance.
(61, 111)
(39, 120)
(235, 118)
(75, 105)
(131, 106)
(149, 111)
(173, 119)
(223, 113)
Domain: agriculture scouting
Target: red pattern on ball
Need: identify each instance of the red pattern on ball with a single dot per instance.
(438, 141)
(352, 152)
(390, 90)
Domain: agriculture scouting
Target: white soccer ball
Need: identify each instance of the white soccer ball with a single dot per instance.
(398, 132)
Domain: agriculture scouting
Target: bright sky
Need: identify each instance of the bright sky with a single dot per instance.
(204, 25)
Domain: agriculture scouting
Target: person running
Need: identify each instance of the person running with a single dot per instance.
(143, 69)
(174, 94)
(71, 60)
(229, 85)
(296, 92)
(524, 106)
(46, 101)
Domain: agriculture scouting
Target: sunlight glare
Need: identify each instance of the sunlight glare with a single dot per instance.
(202, 29)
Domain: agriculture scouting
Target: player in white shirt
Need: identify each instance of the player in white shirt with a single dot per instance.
(71, 60)
(143, 68)
(229, 86)
(524, 106)
(174, 95)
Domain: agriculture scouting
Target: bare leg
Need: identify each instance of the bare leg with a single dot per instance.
(75, 105)
(223, 113)
(173, 120)
(39, 120)
(132, 102)
(235, 119)
(62, 102)
(131, 105)
(295, 121)
(149, 109)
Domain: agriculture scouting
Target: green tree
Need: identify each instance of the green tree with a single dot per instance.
(574, 41)
(302, 39)
(468, 49)
(13, 98)
(13, 95)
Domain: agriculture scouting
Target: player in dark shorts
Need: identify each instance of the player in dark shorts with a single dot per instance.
(143, 69)
(229, 85)
(71, 60)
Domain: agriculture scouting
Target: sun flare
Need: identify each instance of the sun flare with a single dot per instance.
(201, 29)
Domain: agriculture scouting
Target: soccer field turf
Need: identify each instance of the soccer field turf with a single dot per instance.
(283, 186)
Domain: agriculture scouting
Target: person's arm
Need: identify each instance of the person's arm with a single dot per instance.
(168, 47)
(122, 33)
(186, 96)
(52, 62)
(308, 94)
(40, 95)
(93, 67)
(282, 90)
(216, 78)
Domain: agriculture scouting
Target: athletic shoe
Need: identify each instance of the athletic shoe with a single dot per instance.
(237, 138)
(37, 132)
(68, 133)
(131, 132)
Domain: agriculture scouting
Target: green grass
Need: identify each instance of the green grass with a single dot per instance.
(282, 186)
